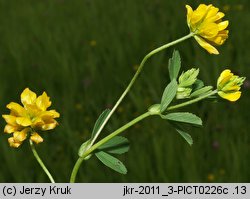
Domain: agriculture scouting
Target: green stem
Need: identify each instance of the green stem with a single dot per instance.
(41, 162)
(104, 140)
(126, 126)
(191, 101)
(135, 77)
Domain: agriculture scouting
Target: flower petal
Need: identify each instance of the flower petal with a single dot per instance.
(13, 143)
(225, 76)
(10, 129)
(43, 101)
(230, 96)
(209, 30)
(199, 14)
(189, 13)
(51, 124)
(223, 25)
(20, 136)
(47, 115)
(23, 121)
(35, 137)
(10, 119)
(28, 97)
(220, 15)
(204, 44)
(212, 12)
(16, 109)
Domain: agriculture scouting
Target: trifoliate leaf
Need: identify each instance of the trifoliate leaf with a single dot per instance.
(116, 145)
(183, 117)
(168, 94)
(99, 122)
(174, 65)
(111, 162)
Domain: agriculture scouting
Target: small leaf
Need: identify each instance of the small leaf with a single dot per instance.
(111, 162)
(185, 135)
(168, 94)
(201, 91)
(117, 145)
(174, 65)
(84, 147)
(183, 117)
(99, 122)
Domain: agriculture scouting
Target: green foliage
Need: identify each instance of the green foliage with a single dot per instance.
(168, 95)
(99, 122)
(201, 91)
(189, 77)
(185, 135)
(116, 145)
(174, 65)
(46, 45)
(111, 162)
(184, 117)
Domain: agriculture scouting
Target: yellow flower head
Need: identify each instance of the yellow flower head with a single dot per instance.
(24, 121)
(228, 85)
(207, 26)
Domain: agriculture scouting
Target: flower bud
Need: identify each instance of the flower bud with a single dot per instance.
(188, 78)
(186, 81)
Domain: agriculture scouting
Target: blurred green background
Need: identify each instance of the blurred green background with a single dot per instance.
(83, 53)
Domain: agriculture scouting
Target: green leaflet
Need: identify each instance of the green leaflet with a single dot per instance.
(174, 65)
(111, 162)
(168, 94)
(185, 135)
(183, 117)
(116, 145)
(201, 91)
(99, 122)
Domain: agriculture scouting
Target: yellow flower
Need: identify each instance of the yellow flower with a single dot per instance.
(207, 26)
(228, 85)
(24, 121)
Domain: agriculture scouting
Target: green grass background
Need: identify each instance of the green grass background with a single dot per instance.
(83, 53)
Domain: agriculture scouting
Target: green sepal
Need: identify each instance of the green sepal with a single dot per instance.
(111, 162)
(99, 122)
(183, 117)
(168, 95)
(116, 145)
(174, 65)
